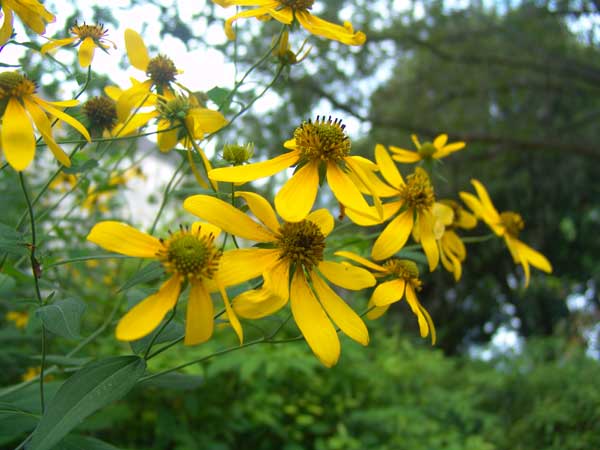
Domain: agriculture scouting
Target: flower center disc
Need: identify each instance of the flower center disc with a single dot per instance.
(13, 84)
(161, 69)
(190, 255)
(101, 112)
(96, 32)
(427, 150)
(404, 269)
(323, 140)
(418, 192)
(302, 243)
(513, 222)
(298, 4)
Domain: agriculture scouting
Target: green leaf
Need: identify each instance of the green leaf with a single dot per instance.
(81, 166)
(176, 381)
(63, 317)
(7, 284)
(147, 273)
(12, 241)
(91, 388)
(218, 95)
(172, 331)
(84, 443)
(14, 421)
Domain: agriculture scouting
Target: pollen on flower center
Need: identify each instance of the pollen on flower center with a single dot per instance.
(404, 269)
(298, 4)
(161, 69)
(301, 243)
(13, 84)
(418, 192)
(95, 32)
(322, 140)
(513, 222)
(190, 255)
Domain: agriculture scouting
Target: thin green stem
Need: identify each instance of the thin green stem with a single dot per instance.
(478, 239)
(171, 184)
(35, 269)
(85, 258)
(160, 330)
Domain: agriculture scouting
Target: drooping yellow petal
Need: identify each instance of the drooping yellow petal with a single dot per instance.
(319, 27)
(388, 292)
(86, 52)
(241, 265)
(43, 125)
(389, 210)
(339, 311)
(250, 172)
(231, 316)
(50, 108)
(346, 275)
(166, 138)
(344, 190)
(199, 321)
(375, 312)
(535, 258)
(267, 9)
(18, 139)
(7, 25)
(314, 324)
(368, 182)
(394, 236)
(486, 202)
(147, 314)
(55, 43)
(134, 97)
(359, 259)
(428, 242)
(121, 238)
(204, 121)
(296, 198)
(261, 208)
(415, 306)
(388, 167)
(227, 217)
(136, 50)
(323, 219)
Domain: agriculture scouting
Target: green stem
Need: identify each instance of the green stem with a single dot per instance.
(160, 330)
(35, 269)
(166, 193)
(85, 258)
(478, 239)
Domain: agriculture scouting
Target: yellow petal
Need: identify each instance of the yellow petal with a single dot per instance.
(203, 229)
(121, 238)
(250, 172)
(136, 50)
(375, 312)
(134, 97)
(346, 275)
(167, 139)
(227, 217)
(535, 258)
(425, 224)
(113, 92)
(323, 219)
(7, 25)
(388, 209)
(394, 236)
(261, 208)
(45, 128)
(241, 265)
(388, 167)
(415, 306)
(18, 139)
(207, 120)
(404, 156)
(388, 292)
(86, 52)
(231, 316)
(312, 321)
(486, 202)
(320, 27)
(344, 189)
(341, 314)
(199, 322)
(359, 259)
(440, 141)
(147, 314)
(50, 108)
(296, 198)
(55, 43)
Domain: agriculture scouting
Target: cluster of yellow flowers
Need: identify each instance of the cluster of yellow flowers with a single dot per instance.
(290, 249)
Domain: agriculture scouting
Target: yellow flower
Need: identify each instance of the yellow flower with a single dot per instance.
(31, 13)
(63, 182)
(161, 72)
(403, 282)
(415, 200)
(88, 37)
(437, 150)
(507, 224)
(187, 255)
(289, 250)
(317, 146)
(96, 199)
(19, 106)
(452, 249)
(20, 319)
(31, 373)
(285, 11)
